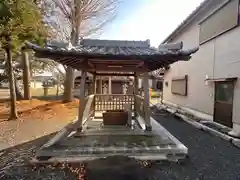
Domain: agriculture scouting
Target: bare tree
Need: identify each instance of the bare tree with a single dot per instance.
(75, 19)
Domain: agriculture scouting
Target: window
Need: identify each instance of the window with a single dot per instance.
(222, 20)
(179, 86)
(224, 91)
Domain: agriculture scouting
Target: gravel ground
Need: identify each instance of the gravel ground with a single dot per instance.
(210, 158)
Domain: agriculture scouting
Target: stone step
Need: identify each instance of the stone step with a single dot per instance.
(81, 159)
(102, 132)
(108, 151)
(115, 140)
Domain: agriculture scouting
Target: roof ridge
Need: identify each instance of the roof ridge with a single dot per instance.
(114, 40)
(120, 43)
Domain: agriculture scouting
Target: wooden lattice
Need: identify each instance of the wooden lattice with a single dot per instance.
(113, 102)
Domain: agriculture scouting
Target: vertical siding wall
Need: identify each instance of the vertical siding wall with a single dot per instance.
(200, 95)
(218, 58)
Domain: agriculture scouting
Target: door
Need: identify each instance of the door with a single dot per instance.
(223, 105)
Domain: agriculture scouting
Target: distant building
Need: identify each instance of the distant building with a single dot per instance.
(37, 80)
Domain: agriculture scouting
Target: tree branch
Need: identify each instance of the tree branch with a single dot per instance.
(86, 17)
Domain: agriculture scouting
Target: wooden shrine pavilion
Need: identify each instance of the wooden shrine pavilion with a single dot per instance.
(109, 58)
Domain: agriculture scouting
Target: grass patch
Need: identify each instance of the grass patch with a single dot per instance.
(156, 94)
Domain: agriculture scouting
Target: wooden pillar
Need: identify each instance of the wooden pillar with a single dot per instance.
(154, 83)
(146, 102)
(135, 91)
(136, 81)
(26, 74)
(82, 102)
(94, 84)
(94, 92)
(89, 88)
(100, 85)
(109, 85)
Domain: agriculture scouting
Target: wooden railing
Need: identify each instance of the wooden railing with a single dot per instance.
(139, 107)
(89, 108)
(113, 101)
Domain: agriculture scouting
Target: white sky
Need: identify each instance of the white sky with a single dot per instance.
(155, 21)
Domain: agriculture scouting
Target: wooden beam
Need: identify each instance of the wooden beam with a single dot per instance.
(146, 102)
(110, 65)
(140, 64)
(114, 61)
(104, 68)
(85, 65)
(90, 64)
(113, 74)
(70, 60)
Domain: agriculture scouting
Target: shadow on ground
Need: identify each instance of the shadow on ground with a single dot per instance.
(15, 165)
(49, 97)
(22, 153)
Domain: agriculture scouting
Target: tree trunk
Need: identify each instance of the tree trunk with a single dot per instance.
(68, 83)
(58, 83)
(26, 75)
(13, 112)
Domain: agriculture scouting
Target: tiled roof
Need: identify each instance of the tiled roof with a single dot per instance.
(104, 47)
(112, 49)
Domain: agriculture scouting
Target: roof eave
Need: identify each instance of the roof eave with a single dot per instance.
(153, 61)
(45, 52)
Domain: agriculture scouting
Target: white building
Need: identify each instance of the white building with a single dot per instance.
(208, 84)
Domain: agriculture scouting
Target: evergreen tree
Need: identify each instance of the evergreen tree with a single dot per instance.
(20, 20)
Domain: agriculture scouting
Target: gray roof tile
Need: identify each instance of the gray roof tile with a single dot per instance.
(111, 47)
(93, 48)
(106, 47)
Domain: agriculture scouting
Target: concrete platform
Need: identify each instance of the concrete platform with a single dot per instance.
(98, 141)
